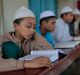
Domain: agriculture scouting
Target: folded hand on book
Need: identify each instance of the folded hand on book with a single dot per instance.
(38, 62)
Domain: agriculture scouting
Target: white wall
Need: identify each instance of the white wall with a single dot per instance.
(9, 8)
(1, 17)
(1, 9)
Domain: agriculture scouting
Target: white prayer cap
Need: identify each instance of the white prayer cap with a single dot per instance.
(66, 9)
(23, 12)
(47, 14)
(76, 12)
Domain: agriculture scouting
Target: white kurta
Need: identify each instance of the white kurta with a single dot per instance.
(61, 33)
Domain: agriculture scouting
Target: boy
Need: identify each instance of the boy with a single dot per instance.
(47, 25)
(19, 43)
(61, 33)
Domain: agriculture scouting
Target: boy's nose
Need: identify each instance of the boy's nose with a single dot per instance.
(33, 31)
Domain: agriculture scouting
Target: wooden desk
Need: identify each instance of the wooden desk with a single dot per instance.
(24, 72)
(57, 68)
(63, 64)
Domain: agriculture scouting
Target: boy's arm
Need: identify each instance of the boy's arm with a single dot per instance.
(9, 64)
(43, 42)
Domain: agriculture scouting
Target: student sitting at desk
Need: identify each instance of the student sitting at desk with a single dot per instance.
(76, 22)
(61, 32)
(47, 25)
(14, 45)
(74, 26)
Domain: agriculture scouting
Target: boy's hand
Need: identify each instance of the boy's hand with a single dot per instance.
(38, 62)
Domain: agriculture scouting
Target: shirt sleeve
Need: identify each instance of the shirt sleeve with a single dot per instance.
(61, 33)
(41, 43)
(9, 64)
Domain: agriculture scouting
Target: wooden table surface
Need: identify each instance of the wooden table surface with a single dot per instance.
(57, 68)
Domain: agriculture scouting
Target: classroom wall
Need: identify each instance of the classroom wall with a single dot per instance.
(1, 8)
(9, 8)
(1, 17)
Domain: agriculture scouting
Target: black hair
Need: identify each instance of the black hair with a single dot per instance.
(46, 19)
(18, 21)
(64, 14)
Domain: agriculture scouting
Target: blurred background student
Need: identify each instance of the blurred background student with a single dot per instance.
(74, 26)
(61, 32)
(47, 25)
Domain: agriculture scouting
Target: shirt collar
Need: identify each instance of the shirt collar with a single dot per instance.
(63, 21)
(17, 40)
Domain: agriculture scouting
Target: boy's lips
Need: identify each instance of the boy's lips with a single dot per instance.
(30, 37)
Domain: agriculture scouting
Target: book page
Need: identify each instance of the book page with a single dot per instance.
(70, 44)
(77, 38)
(51, 54)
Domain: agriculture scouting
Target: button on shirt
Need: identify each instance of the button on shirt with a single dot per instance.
(61, 33)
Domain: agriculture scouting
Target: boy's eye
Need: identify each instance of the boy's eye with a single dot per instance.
(28, 26)
(53, 23)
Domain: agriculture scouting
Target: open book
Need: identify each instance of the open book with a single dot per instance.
(67, 45)
(52, 54)
(77, 38)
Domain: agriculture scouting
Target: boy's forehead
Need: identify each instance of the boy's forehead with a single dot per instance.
(69, 13)
(29, 20)
(53, 19)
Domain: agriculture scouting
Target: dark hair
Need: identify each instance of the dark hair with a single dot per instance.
(18, 21)
(46, 19)
(64, 14)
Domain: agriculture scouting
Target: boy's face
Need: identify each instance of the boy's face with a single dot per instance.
(50, 25)
(77, 17)
(69, 17)
(26, 28)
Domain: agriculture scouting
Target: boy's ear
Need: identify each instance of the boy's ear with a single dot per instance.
(15, 25)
